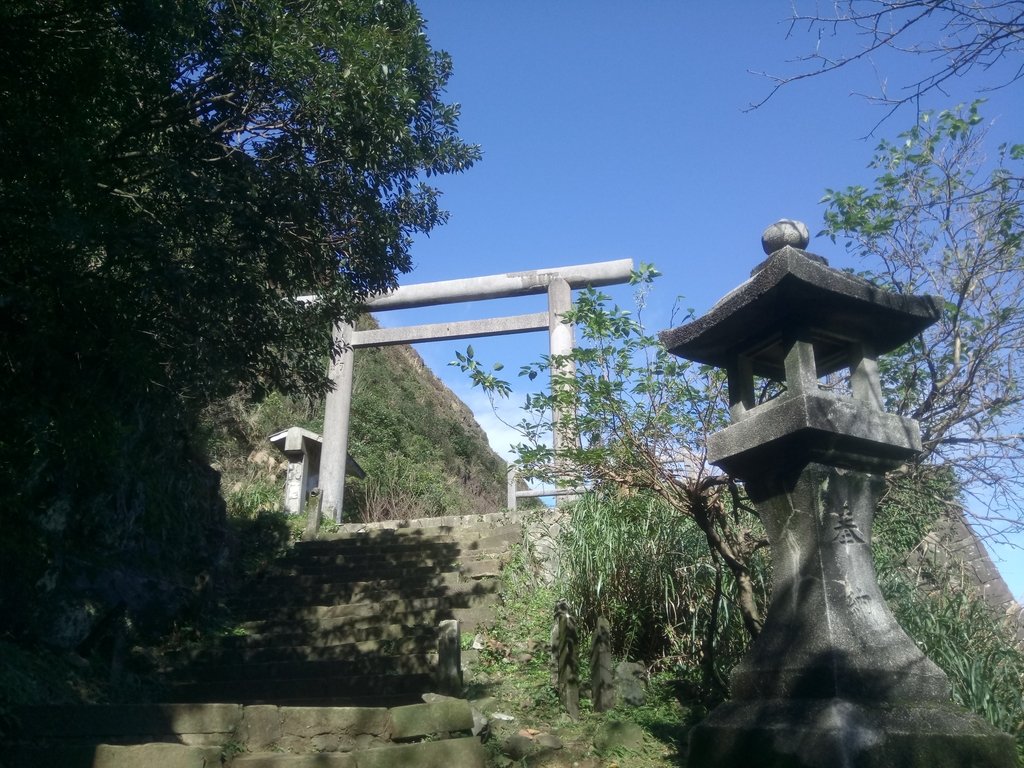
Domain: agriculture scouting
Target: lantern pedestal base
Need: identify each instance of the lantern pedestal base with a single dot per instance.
(834, 733)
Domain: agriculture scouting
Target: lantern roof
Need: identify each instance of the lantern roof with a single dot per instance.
(796, 294)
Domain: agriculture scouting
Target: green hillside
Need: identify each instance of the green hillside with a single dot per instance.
(422, 450)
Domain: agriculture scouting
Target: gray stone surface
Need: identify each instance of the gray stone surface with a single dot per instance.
(128, 721)
(421, 720)
(565, 659)
(541, 530)
(517, 746)
(829, 632)
(602, 684)
(790, 430)
(785, 232)
(549, 741)
(261, 727)
(462, 329)
(617, 736)
(828, 733)
(162, 755)
(184, 736)
(630, 684)
(278, 760)
(330, 729)
(449, 657)
(451, 753)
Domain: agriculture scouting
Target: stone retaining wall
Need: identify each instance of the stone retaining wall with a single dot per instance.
(119, 732)
(455, 522)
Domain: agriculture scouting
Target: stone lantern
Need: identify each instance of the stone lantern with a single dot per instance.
(832, 680)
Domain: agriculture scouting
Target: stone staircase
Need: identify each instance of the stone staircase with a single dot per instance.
(337, 644)
(434, 735)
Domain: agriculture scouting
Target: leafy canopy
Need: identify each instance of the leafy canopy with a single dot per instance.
(635, 421)
(944, 217)
(176, 173)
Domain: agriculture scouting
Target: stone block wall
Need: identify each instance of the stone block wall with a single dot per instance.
(541, 530)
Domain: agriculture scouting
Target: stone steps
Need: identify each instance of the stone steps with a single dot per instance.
(400, 643)
(389, 552)
(352, 617)
(421, 663)
(309, 573)
(254, 617)
(321, 631)
(434, 541)
(395, 554)
(326, 590)
(336, 641)
(434, 525)
(408, 556)
(466, 752)
(355, 690)
(204, 735)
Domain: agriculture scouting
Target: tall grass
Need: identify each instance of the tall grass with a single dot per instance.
(939, 606)
(648, 570)
(973, 644)
(399, 488)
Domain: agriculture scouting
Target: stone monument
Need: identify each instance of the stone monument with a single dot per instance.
(302, 449)
(832, 680)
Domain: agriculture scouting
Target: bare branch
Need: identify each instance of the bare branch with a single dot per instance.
(956, 36)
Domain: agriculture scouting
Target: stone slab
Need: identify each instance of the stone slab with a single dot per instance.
(261, 727)
(463, 329)
(453, 522)
(451, 753)
(833, 732)
(331, 729)
(162, 755)
(126, 721)
(278, 760)
(510, 284)
(816, 427)
(420, 720)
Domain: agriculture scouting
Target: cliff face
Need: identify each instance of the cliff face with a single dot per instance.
(952, 546)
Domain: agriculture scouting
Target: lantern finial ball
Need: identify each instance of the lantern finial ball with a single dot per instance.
(785, 232)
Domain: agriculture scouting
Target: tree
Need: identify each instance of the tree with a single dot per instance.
(956, 36)
(942, 218)
(175, 174)
(638, 418)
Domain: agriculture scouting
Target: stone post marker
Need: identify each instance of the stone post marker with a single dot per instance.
(832, 680)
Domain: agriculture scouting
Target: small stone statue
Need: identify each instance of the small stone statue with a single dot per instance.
(602, 685)
(564, 655)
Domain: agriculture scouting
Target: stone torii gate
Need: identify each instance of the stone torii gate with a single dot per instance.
(558, 283)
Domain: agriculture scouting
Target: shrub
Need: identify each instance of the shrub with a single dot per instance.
(400, 488)
(974, 645)
(648, 570)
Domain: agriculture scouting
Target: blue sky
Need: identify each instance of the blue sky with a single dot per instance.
(617, 130)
